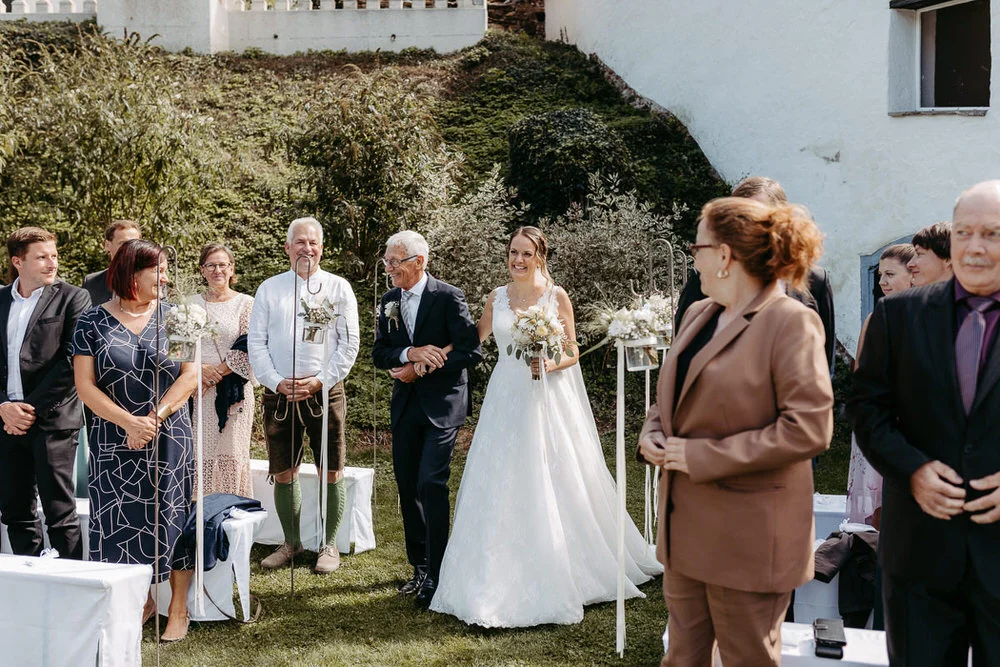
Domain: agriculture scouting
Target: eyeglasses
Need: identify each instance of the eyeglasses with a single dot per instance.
(394, 263)
(693, 248)
(216, 267)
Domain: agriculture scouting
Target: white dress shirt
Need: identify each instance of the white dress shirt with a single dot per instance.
(275, 320)
(409, 304)
(21, 309)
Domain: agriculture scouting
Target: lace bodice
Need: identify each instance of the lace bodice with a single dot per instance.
(503, 317)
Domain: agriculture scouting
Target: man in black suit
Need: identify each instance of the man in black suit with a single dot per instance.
(417, 319)
(39, 408)
(117, 233)
(926, 411)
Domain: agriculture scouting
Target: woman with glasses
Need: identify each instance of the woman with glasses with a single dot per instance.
(743, 403)
(227, 382)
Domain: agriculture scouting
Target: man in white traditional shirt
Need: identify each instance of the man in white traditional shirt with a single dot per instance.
(293, 402)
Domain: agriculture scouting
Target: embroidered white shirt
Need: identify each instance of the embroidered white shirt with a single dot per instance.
(276, 321)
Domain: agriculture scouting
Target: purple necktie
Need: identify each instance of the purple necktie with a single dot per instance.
(969, 348)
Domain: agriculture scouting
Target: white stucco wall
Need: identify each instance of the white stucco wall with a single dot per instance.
(799, 91)
(211, 26)
(284, 33)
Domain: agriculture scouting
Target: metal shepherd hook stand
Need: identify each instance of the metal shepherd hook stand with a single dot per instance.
(170, 253)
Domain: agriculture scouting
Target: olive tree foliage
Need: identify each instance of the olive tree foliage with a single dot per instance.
(99, 134)
(373, 162)
(468, 239)
(603, 249)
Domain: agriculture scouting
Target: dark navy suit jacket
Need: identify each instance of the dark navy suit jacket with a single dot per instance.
(442, 318)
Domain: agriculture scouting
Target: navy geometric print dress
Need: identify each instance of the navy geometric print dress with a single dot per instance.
(123, 508)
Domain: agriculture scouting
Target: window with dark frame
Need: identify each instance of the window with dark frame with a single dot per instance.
(955, 56)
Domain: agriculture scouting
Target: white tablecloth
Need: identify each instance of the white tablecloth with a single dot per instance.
(830, 511)
(240, 528)
(865, 648)
(356, 526)
(62, 612)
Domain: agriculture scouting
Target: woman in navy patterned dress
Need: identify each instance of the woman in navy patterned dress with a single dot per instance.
(140, 490)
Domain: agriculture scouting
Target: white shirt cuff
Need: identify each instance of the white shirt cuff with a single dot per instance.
(402, 357)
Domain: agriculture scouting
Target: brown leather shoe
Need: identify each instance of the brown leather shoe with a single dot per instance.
(281, 556)
(328, 561)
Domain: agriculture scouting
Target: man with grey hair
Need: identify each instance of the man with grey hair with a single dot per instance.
(292, 402)
(417, 320)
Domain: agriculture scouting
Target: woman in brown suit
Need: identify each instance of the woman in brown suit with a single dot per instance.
(744, 402)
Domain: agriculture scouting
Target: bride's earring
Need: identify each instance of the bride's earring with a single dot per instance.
(722, 273)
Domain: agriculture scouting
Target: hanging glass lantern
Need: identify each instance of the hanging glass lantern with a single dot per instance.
(641, 354)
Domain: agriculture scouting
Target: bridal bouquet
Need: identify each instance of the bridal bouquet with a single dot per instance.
(536, 333)
(185, 323)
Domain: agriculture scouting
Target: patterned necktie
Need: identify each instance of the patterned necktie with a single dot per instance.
(408, 314)
(969, 348)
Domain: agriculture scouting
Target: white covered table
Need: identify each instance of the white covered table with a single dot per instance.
(240, 528)
(865, 648)
(356, 526)
(62, 612)
(829, 512)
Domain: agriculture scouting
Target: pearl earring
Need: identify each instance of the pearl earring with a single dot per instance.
(722, 273)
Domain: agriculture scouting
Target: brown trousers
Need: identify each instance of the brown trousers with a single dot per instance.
(745, 626)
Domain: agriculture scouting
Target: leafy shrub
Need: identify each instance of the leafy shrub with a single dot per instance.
(468, 239)
(98, 135)
(552, 155)
(601, 250)
(373, 162)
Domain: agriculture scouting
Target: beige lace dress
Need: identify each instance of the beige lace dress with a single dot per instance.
(227, 454)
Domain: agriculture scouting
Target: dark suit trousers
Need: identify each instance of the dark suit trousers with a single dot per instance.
(421, 461)
(42, 460)
(936, 629)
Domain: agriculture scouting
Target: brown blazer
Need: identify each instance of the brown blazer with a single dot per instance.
(756, 406)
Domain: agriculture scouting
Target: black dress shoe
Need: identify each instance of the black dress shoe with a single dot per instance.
(413, 585)
(426, 593)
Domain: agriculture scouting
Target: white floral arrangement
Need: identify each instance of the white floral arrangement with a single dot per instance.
(536, 332)
(189, 320)
(324, 314)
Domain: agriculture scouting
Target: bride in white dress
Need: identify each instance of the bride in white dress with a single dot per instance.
(535, 531)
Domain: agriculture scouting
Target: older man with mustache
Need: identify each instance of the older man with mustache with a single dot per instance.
(926, 410)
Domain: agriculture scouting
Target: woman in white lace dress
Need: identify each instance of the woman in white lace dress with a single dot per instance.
(535, 531)
(227, 381)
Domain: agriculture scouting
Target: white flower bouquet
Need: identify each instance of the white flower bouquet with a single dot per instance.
(537, 333)
(317, 319)
(644, 327)
(186, 323)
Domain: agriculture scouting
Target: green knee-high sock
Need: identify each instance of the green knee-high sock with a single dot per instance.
(288, 503)
(336, 500)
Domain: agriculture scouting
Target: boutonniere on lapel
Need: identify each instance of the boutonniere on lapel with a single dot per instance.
(390, 310)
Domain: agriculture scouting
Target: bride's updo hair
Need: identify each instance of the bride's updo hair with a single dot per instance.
(537, 238)
(771, 242)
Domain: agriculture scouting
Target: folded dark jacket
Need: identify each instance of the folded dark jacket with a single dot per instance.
(853, 556)
(230, 390)
(218, 507)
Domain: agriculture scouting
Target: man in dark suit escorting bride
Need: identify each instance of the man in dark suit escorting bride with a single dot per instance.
(417, 319)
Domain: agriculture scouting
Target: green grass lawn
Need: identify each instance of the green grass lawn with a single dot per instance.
(355, 617)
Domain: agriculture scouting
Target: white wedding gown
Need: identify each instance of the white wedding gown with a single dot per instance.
(535, 532)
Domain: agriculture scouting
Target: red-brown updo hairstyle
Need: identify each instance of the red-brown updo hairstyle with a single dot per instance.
(771, 242)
